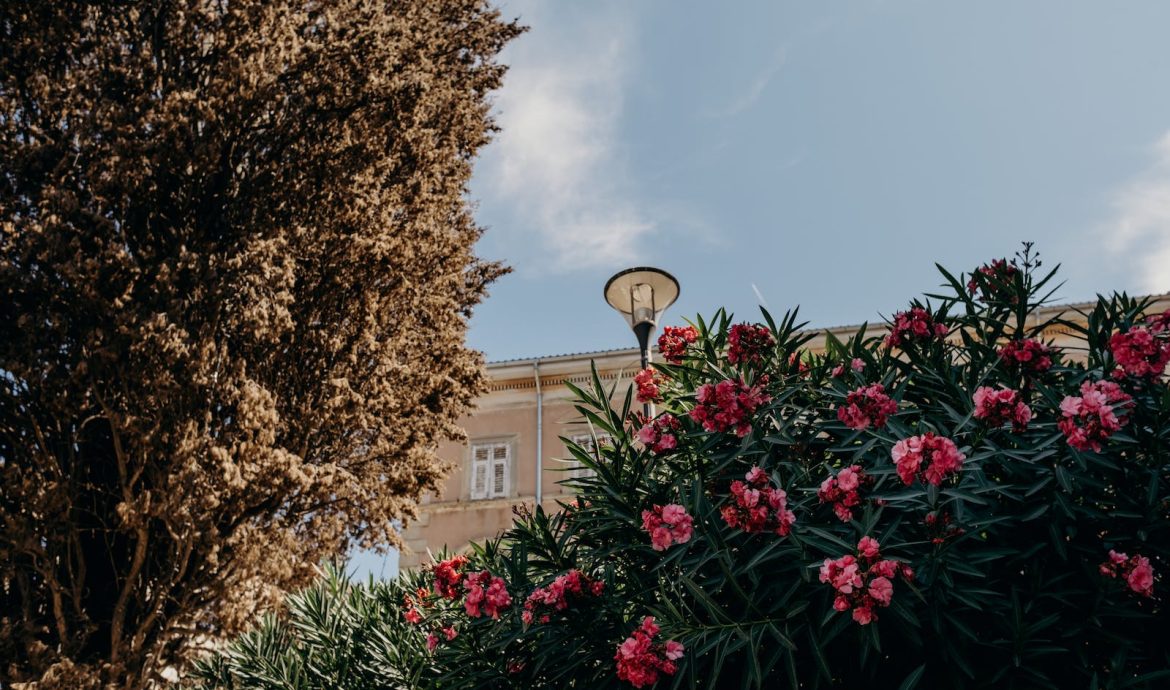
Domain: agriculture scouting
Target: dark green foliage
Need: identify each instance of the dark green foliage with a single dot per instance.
(1007, 596)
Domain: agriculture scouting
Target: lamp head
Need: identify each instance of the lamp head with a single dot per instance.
(641, 295)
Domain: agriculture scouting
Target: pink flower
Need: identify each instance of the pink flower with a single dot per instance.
(432, 641)
(842, 491)
(939, 455)
(647, 382)
(994, 281)
(1135, 570)
(1141, 578)
(558, 594)
(640, 660)
(728, 405)
(448, 575)
(868, 405)
(758, 506)
(881, 589)
(1089, 420)
(748, 343)
(659, 435)
(450, 633)
(914, 326)
(667, 525)
(412, 616)
(1141, 351)
(672, 344)
(862, 583)
(1031, 356)
(868, 547)
(857, 364)
(998, 407)
(486, 595)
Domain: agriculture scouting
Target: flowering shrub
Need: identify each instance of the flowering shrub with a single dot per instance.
(1008, 527)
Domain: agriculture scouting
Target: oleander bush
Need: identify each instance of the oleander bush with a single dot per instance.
(957, 503)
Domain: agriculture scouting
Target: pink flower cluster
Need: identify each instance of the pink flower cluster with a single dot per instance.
(913, 326)
(555, 596)
(843, 491)
(483, 594)
(928, 457)
(640, 660)
(672, 344)
(998, 407)
(1136, 570)
(758, 506)
(410, 607)
(1030, 355)
(857, 365)
(1141, 351)
(747, 343)
(448, 576)
(1091, 418)
(487, 595)
(449, 633)
(728, 405)
(666, 525)
(647, 382)
(992, 280)
(659, 434)
(866, 406)
(863, 582)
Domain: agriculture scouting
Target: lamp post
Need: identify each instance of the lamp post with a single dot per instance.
(641, 295)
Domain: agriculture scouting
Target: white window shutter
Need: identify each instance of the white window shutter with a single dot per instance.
(500, 470)
(479, 471)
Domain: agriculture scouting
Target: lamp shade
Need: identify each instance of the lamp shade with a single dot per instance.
(641, 294)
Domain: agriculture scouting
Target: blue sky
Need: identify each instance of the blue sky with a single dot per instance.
(826, 153)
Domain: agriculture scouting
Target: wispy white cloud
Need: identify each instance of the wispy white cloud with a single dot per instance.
(557, 167)
(1139, 232)
(755, 88)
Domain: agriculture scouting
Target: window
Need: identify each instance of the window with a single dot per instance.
(490, 464)
(585, 441)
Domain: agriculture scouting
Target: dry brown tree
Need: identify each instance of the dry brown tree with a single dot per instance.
(236, 267)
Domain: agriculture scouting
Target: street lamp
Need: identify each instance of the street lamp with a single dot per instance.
(641, 295)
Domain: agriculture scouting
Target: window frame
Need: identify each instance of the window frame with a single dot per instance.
(490, 462)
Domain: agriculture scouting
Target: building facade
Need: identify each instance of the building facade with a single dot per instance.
(514, 454)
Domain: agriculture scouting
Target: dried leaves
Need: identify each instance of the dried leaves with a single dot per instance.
(236, 261)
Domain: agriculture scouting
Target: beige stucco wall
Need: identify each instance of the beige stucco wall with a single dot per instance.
(509, 412)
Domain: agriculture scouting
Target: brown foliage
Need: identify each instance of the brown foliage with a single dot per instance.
(235, 271)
